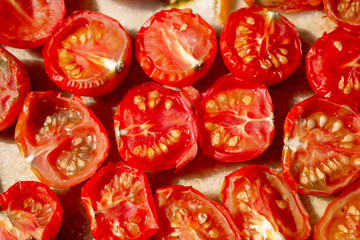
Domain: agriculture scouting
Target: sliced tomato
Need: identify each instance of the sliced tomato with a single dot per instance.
(263, 206)
(333, 65)
(260, 45)
(346, 13)
(89, 54)
(28, 23)
(235, 119)
(185, 213)
(285, 5)
(341, 217)
(321, 151)
(155, 128)
(119, 203)
(14, 85)
(176, 47)
(61, 138)
(29, 210)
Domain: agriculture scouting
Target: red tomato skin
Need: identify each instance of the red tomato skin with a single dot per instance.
(175, 158)
(167, 78)
(253, 70)
(286, 6)
(227, 83)
(25, 134)
(265, 206)
(19, 42)
(11, 199)
(19, 78)
(90, 192)
(331, 10)
(51, 60)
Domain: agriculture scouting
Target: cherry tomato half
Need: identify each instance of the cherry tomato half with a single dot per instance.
(263, 206)
(15, 84)
(119, 203)
(341, 217)
(29, 210)
(333, 65)
(155, 128)
(346, 13)
(88, 55)
(286, 5)
(321, 151)
(260, 45)
(28, 23)
(176, 47)
(235, 119)
(61, 138)
(185, 213)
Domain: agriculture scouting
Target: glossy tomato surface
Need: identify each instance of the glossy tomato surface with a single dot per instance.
(346, 13)
(28, 23)
(235, 119)
(263, 206)
(61, 138)
(155, 128)
(341, 217)
(15, 84)
(332, 65)
(286, 5)
(185, 213)
(260, 45)
(119, 203)
(321, 152)
(89, 54)
(29, 210)
(176, 47)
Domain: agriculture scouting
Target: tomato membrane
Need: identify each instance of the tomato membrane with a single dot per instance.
(286, 6)
(345, 13)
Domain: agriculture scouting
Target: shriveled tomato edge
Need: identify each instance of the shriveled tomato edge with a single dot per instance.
(148, 65)
(93, 165)
(23, 44)
(285, 8)
(262, 168)
(21, 77)
(352, 26)
(50, 57)
(52, 228)
(188, 155)
(103, 173)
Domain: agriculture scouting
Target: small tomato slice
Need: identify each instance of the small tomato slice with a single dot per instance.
(235, 119)
(346, 13)
(29, 210)
(14, 84)
(263, 206)
(321, 151)
(28, 23)
(61, 138)
(88, 55)
(286, 5)
(333, 65)
(119, 203)
(176, 47)
(260, 45)
(155, 128)
(185, 213)
(341, 217)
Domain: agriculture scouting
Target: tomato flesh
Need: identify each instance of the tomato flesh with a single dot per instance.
(287, 6)
(346, 13)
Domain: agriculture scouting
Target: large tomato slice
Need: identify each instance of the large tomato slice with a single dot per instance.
(185, 213)
(29, 210)
(346, 13)
(321, 151)
(119, 203)
(260, 45)
(333, 65)
(155, 128)
(341, 217)
(176, 47)
(89, 54)
(286, 5)
(14, 85)
(235, 119)
(263, 206)
(61, 138)
(28, 23)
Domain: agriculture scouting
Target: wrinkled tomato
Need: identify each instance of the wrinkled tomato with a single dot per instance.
(346, 13)
(286, 5)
